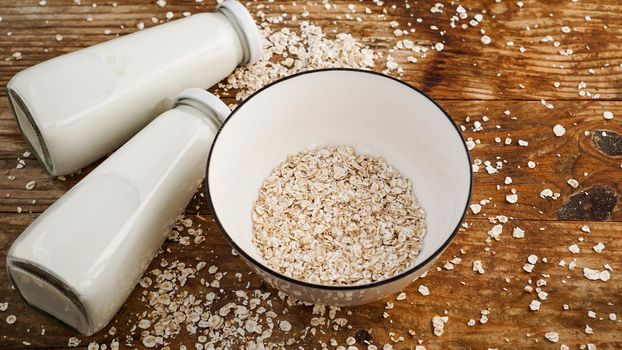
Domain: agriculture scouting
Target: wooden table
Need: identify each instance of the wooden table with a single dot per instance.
(470, 80)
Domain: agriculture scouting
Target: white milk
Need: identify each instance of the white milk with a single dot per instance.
(78, 107)
(83, 256)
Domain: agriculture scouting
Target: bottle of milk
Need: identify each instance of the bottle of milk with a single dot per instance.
(82, 257)
(78, 107)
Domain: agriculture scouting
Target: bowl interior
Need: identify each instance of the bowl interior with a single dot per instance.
(370, 112)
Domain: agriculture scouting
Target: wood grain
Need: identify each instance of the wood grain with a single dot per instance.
(470, 80)
(465, 69)
(462, 292)
(557, 158)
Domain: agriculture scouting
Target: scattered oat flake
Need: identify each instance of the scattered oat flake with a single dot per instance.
(559, 130)
(144, 324)
(553, 337)
(145, 282)
(595, 275)
(423, 290)
(573, 183)
(574, 249)
(475, 208)
(478, 267)
(306, 48)
(533, 259)
(548, 193)
(149, 341)
(547, 104)
(350, 341)
(598, 248)
(73, 342)
(285, 326)
(518, 232)
(495, 231)
(438, 323)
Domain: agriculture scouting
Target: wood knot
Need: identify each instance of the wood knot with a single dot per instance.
(263, 285)
(608, 142)
(594, 203)
(362, 336)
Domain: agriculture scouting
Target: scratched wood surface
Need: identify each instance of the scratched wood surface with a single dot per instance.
(470, 80)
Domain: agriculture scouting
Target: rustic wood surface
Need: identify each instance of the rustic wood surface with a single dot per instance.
(468, 79)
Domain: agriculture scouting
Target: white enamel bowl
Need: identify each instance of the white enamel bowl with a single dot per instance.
(373, 113)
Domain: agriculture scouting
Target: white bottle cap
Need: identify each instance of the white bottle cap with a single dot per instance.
(208, 103)
(247, 26)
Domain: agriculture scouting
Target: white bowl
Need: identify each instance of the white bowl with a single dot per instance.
(375, 114)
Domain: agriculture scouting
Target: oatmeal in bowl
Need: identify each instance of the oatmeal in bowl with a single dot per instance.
(339, 186)
(331, 216)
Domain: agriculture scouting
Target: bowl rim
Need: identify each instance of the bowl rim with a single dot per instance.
(306, 284)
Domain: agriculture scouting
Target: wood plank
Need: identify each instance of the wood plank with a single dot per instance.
(465, 69)
(557, 159)
(461, 291)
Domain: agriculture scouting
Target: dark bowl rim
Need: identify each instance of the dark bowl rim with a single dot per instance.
(379, 283)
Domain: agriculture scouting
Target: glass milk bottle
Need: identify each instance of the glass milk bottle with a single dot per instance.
(78, 107)
(82, 257)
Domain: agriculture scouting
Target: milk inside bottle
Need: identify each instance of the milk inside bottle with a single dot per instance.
(78, 107)
(81, 258)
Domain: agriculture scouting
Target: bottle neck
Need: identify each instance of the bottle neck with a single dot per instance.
(246, 55)
(209, 115)
(206, 105)
(241, 19)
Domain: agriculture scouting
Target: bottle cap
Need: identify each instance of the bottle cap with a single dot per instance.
(246, 24)
(208, 102)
